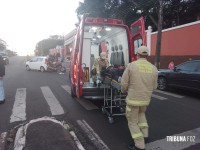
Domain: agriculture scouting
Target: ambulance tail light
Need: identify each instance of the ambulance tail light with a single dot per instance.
(81, 74)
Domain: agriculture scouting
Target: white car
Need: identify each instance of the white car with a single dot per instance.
(37, 63)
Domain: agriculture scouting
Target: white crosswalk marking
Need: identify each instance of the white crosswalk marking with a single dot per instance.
(186, 139)
(55, 107)
(170, 94)
(19, 108)
(158, 97)
(67, 88)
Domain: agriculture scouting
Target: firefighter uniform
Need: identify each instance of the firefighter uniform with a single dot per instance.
(98, 64)
(139, 80)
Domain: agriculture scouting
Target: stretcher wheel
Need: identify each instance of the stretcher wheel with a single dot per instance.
(103, 110)
(111, 120)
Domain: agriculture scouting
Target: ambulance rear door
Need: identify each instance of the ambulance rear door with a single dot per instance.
(137, 36)
(79, 67)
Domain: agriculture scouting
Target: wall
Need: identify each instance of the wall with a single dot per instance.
(178, 43)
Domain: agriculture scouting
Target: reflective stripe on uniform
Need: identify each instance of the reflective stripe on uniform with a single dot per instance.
(137, 135)
(134, 102)
(144, 67)
(128, 108)
(143, 125)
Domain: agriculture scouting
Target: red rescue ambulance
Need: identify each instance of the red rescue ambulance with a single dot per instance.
(96, 35)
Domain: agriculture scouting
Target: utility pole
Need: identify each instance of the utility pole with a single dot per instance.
(159, 34)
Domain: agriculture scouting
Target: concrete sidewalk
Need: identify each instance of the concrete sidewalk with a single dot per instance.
(45, 134)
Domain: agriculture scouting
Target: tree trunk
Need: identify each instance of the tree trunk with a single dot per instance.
(159, 35)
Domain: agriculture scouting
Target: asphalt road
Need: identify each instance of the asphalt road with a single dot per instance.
(173, 113)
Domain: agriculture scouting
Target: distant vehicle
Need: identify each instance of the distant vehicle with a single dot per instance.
(37, 63)
(56, 66)
(185, 75)
(5, 58)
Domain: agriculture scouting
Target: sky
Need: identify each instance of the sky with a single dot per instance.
(26, 22)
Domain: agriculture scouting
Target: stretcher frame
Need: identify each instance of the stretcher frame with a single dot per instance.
(113, 99)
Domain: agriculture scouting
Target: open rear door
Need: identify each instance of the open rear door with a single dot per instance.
(79, 68)
(138, 36)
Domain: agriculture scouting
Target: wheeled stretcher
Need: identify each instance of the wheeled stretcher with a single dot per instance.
(114, 100)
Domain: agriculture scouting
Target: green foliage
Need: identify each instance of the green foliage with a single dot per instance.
(45, 45)
(95, 7)
(2, 44)
(175, 12)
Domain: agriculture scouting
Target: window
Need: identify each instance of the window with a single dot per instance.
(135, 29)
(137, 44)
(34, 60)
(197, 66)
(188, 66)
(39, 59)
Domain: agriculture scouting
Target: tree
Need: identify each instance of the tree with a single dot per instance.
(91, 7)
(3, 44)
(176, 12)
(159, 35)
(45, 45)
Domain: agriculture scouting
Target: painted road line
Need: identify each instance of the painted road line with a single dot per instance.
(19, 108)
(75, 138)
(176, 142)
(158, 97)
(84, 102)
(92, 135)
(55, 107)
(67, 88)
(170, 94)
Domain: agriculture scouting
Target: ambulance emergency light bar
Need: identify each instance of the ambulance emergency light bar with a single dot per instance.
(103, 20)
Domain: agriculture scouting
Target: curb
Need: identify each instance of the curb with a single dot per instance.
(3, 140)
(78, 143)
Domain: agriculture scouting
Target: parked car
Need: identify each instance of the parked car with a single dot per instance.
(185, 75)
(37, 63)
(5, 58)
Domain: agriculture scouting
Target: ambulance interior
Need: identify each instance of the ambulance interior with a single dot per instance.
(109, 39)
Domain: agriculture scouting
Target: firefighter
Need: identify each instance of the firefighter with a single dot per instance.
(99, 63)
(139, 80)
